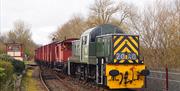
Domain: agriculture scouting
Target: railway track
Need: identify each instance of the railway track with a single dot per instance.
(52, 82)
(75, 83)
(57, 81)
(43, 82)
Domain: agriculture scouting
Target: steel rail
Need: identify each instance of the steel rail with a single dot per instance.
(43, 82)
(71, 89)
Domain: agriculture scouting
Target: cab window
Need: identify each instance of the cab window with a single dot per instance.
(84, 40)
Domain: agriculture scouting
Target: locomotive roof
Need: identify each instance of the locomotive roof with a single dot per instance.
(89, 30)
(102, 30)
(117, 34)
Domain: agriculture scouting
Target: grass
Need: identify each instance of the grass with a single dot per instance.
(29, 62)
(28, 82)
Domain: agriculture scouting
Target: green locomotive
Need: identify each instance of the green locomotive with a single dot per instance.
(108, 56)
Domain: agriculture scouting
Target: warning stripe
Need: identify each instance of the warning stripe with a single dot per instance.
(115, 37)
(115, 60)
(134, 42)
(119, 47)
(126, 44)
(137, 38)
(130, 61)
(132, 48)
(121, 61)
(126, 50)
(137, 61)
(118, 41)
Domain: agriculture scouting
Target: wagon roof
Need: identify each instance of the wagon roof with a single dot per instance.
(67, 40)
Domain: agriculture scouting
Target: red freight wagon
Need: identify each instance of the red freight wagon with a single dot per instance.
(47, 54)
(52, 53)
(55, 54)
(63, 51)
(40, 53)
(35, 56)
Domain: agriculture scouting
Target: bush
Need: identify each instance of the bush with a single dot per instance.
(7, 68)
(19, 66)
(6, 71)
(2, 74)
(6, 57)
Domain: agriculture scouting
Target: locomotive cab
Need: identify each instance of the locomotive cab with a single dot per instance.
(87, 41)
(118, 56)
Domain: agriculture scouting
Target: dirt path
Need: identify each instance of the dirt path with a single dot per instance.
(31, 81)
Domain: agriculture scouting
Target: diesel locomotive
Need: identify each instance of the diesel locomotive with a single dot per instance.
(106, 55)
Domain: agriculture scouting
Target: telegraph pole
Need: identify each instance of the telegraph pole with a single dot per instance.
(0, 17)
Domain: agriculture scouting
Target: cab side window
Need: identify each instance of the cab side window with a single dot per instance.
(84, 40)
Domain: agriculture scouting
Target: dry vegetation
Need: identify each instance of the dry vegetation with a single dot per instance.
(19, 34)
(101, 12)
(158, 26)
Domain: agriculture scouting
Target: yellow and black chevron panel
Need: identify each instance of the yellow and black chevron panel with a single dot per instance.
(126, 49)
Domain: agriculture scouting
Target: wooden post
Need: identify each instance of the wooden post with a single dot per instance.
(166, 78)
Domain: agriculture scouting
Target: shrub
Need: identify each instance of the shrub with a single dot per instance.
(6, 57)
(19, 66)
(6, 71)
(6, 68)
(2, 74)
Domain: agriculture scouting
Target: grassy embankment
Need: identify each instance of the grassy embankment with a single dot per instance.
(29, 82)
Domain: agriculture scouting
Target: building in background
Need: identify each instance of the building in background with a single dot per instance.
(15, 50)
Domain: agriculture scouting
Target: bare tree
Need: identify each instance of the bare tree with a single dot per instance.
(109, 11)
(102, 10)
(158, 26)
(2, 42)
(21, 34)
(71, 29)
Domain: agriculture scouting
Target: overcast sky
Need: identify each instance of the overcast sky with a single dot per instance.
(44, 16)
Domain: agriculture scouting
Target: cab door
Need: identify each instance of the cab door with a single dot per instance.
(84, 48)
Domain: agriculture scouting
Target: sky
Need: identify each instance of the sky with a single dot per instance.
(44, 16)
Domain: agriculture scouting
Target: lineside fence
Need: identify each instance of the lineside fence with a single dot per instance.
(163, 80)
